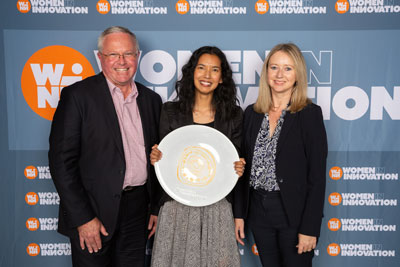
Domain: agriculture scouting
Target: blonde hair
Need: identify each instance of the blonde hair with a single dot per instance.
(298, 99)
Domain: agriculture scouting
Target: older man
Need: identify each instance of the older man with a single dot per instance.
(100, 141)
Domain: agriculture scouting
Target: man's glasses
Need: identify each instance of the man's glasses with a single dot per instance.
(115, 56)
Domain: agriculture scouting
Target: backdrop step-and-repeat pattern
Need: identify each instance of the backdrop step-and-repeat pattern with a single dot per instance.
(352, 52)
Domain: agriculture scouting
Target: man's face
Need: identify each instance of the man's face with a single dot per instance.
(119, 70)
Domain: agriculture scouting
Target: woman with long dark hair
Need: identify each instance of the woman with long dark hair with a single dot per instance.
(200, 236)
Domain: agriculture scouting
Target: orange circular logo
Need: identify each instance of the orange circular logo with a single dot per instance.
(47, 72)
(31, 198)
(333, 249)
(335, 199)
(32, 224)
(261, 6)
(33, 249)
(254, 249)
(335, 173)
(103, 7)
(31, 172)
(342, 6)
(182, 7)
(23, 6)
(334, 224)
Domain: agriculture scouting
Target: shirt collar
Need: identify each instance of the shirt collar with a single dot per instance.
(113, 88)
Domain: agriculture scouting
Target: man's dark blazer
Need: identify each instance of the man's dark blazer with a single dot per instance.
(173, 118)
(86, 155)
(300, 165)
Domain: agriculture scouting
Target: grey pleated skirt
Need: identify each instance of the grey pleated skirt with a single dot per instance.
(195, 236)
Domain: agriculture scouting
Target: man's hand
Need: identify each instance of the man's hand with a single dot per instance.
(89, 234)
(152, 225)
(306, 243)
(239, 231)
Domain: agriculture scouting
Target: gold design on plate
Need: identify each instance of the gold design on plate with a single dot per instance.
(196, 166)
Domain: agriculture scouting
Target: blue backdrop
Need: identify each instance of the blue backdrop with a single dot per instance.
(352, 53)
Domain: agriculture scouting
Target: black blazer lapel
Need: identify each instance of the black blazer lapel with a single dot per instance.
(255, 121)
(184, 119)
(221, 126)
(287, 124)
(110, 113)
(258, 119)
(187, 119)
(140, 100)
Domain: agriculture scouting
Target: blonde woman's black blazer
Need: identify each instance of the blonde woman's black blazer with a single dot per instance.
(300, 166)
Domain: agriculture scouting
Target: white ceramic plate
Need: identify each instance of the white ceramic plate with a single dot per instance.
(196, 168)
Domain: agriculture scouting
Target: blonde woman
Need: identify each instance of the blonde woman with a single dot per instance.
(285, 147)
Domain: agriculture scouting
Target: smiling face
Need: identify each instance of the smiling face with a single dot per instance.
(119, 71)
(207, 74)
(281, 73)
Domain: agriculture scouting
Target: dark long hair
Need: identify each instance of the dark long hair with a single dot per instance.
(224, 98)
